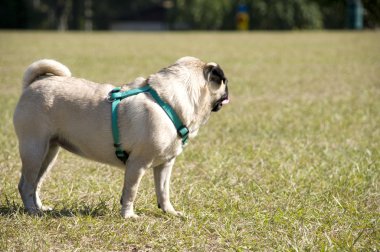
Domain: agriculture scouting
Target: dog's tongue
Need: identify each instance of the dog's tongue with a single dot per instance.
(226, 101)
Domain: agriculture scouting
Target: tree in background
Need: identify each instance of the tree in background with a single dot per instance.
(285, 14)
(200, 14)
(182, 14)
(330, 10)
(13, 14)
(372, 14)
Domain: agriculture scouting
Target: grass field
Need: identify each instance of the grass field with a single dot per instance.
(291, 164)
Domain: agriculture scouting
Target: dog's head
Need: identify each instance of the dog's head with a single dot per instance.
(217, 85)
(205, 83)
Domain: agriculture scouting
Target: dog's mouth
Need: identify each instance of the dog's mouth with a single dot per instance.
(219, 103)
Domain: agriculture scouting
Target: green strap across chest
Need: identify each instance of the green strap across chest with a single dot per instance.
(116, 95)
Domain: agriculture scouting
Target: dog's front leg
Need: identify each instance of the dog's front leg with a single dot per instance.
(162, 175)
(133, 173)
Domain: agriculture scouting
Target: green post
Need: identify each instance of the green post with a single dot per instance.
(354, 14)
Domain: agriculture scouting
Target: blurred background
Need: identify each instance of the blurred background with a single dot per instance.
(189, 14)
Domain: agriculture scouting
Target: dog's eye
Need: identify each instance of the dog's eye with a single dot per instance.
(217, 75)
(217, 72)
(214, 73)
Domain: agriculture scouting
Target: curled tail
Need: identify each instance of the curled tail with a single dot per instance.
(42, 67)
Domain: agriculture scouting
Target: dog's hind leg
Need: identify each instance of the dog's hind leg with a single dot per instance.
(47, 164)
(35, 155)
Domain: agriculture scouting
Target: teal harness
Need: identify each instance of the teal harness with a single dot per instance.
(116, 95)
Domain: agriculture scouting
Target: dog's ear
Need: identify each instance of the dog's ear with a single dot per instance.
(213, 73)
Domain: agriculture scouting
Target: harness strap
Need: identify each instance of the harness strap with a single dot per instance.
(115, 96)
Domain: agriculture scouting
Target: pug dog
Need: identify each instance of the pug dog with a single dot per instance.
(56, 111)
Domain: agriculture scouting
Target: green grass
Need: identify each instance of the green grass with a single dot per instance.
(292, 163)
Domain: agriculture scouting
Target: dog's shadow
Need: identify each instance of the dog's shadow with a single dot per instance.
(11, 208)
(84, 211)
(101, 208)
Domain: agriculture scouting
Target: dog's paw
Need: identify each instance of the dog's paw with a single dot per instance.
(46, 208)
(172, 211)
(129, 214)
(176, 214)
(34, 211)
(180, 214)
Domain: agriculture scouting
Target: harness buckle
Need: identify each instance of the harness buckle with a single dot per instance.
(184, 133)
(110, 97)
(122, 155)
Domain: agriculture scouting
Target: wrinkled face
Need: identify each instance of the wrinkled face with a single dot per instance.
(217, 83)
